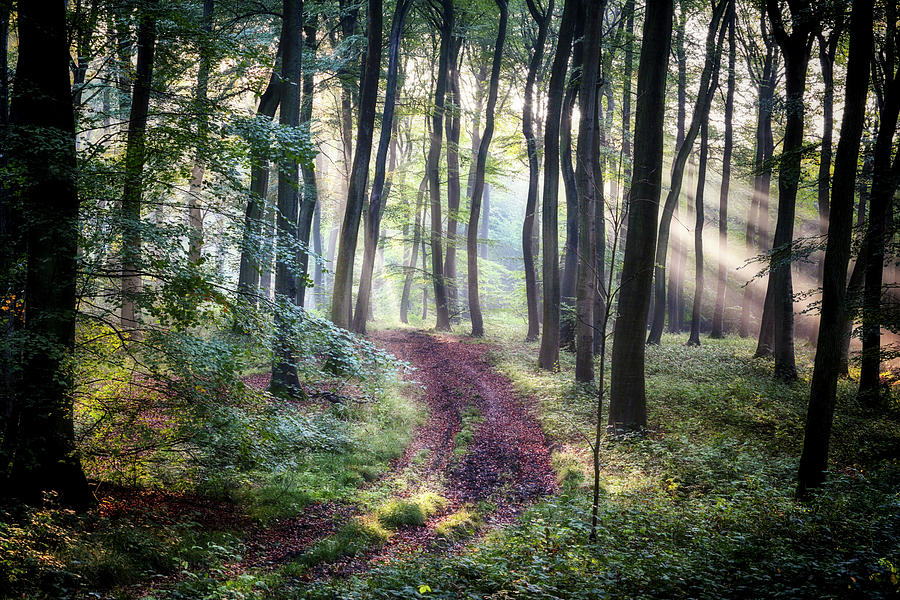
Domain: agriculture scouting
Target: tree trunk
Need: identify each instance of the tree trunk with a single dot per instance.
(284, 370)
(132, 192)
(528, 228)
(411, 267)
(823, 387)
(885, 176)
(43, 454)
(379, 195)
(433, 169)
(341, 307)
(195, 214)
(570, 268)
(796, 58)
(718, 322)
(628, 403)
(590, 192)
(549, 354)
(452, 125)
(309, 192)
(478, 189)
(697, 308)
(675, 292)
(827, 51)
(700, 114)
(250, 267)
(484, 234)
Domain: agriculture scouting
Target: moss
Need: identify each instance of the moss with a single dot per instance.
(458, 525)
(406, 512)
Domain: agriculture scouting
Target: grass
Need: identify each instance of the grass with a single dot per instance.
(458, 525)
(470, 419)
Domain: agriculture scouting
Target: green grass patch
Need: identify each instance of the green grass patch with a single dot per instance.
(458, 525)
(470, 419)
(406, 512)
(361, 533)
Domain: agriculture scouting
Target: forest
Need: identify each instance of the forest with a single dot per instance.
(459, 299)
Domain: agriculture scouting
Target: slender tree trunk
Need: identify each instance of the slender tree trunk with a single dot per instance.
(195, 213)
(317, 249)
(452, 125)
(341, 307)
(885, 176)
(132, 193)
(675, 292)
(250, 267)
(570, 268)
(627, 402)
(284, 370)
(697, 308)
(411, 267)
(528, 228)
(827, 50)
(478, 189)
(379, 195)
(549, 354)
(718, 322)
(309, 192)
(433, 169)
(485, 234)
(795, 48)
(700, 114)
(43, 453)
(590, 192)
(823, 387)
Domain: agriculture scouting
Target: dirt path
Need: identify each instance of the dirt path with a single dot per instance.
(507, 460)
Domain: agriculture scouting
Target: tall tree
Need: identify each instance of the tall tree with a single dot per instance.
(795, 47)
(341, 307)
(453, 125)
(542, 18)
(417, 235)
(700, 114)
(696, 309)
(378, 196)
(589, 179)
(42, 454)
(133, 190)
(309, 192)
(628, 402)
(549, 354)
(823, 387)
(675, 292)
(445, 24)
(885, 177)
(195, 213)
(478, 189)
(718, 322)
(284, 370)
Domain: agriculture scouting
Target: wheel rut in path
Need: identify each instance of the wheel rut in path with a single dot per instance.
(507, 461)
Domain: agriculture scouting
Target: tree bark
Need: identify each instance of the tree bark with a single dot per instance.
(378, 196)
(549, 354)
(700, 114)
(478, 189)
(675, 291)
(43, 454)
(628, 403)
(132, 192)
(341, 306)
(823, 387)
(697, 308)
(827, 51)
(452, 125)
(309, 192)
(284, 370)
(718, 322)
(411, 267)
(528, 228)
(195, 213)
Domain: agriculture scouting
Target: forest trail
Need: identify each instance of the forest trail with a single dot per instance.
(480, 443)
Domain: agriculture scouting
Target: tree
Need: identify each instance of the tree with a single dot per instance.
(42, 454)
(885, 177)
(452, 124)
(700, 115)
(284, 370)
(823, 388)
(309, 193)
(696, 309)
(341, 307)
(432, 166)
(795, 46)
(377, 198)
(195, 213)
(132, 192)
(627, 400)
(549, 354)
(478, 189)
(589, 180)
(542, 18)
(718, 322)
(675, 293)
